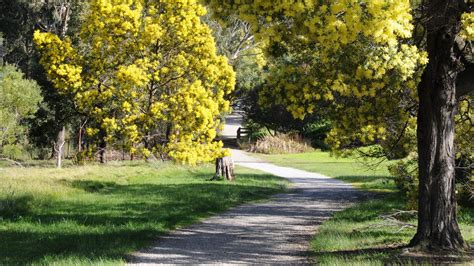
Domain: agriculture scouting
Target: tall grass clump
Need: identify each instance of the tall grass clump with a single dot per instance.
(281, 143)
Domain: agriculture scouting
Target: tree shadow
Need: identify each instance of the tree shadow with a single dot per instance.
(399, 255)
(111, 219)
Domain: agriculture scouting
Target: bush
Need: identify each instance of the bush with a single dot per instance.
(281, 143)
(317, 132)
(406, 179)
(13, 151)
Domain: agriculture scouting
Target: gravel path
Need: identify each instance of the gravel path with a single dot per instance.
(273, 232)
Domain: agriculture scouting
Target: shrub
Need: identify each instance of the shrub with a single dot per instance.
(406, 178)
(317, 133)
(281, 143)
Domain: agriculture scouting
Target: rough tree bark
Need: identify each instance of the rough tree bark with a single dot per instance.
(437, 221)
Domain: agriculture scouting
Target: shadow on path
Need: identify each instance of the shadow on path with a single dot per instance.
(277, 231)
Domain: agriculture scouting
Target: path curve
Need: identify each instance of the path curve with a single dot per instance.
(277, 231)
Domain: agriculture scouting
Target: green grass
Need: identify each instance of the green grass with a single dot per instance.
(358, 235)
(365, 175)
(99, 214)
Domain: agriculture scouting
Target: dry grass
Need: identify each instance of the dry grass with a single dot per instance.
(281, 143)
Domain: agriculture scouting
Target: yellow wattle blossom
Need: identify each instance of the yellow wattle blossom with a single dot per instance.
(147, 74)
(347, 61)
(467, 30)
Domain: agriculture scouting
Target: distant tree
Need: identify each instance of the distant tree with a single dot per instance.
(18, 20)
(19, 100)
(235, 40)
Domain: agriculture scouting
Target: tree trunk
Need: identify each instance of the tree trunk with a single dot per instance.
(102, 146)
(59, 147)
(225, 168)
(79, 140)
(437, 221)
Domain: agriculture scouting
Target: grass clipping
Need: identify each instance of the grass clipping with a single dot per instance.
(281, 143)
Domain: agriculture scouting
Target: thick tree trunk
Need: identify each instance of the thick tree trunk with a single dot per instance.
(437, 222)
(59, 147)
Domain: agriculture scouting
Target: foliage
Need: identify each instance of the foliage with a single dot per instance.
(18, 20)
(19, 100)
(96, 214)
(273, 116)
(235, 40)
(464, 181)
(346, 58)
(406, 178)
(317, 132)
(154, 79)
(467, 31)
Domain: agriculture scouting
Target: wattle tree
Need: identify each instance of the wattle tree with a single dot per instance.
(358, 61)
(148, 76)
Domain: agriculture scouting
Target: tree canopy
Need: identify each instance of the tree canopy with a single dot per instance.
(19, 100)
(145, 72)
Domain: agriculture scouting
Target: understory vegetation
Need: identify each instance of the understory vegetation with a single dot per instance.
(373, 232)
(99, 214)
(281, 143)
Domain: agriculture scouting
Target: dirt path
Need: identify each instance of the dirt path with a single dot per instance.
(277, 231)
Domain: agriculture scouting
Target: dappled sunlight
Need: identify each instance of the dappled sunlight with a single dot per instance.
(101, 213)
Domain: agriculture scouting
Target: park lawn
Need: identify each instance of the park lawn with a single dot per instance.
(100, 214)
(368, 175)
(358, 235)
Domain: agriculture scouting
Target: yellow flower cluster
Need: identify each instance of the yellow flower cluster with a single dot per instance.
(467, 30)
(152, 78)
(347, 61)
(62, 64)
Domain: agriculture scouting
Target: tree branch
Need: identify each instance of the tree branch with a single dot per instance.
(12, 162)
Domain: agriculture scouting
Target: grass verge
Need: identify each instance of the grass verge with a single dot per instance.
(99, 214)
(360, 235)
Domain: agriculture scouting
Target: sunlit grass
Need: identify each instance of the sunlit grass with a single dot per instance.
(359, 235)
(99, 214)
(368, 175)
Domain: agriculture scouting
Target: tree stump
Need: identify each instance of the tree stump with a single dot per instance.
(225, 168)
